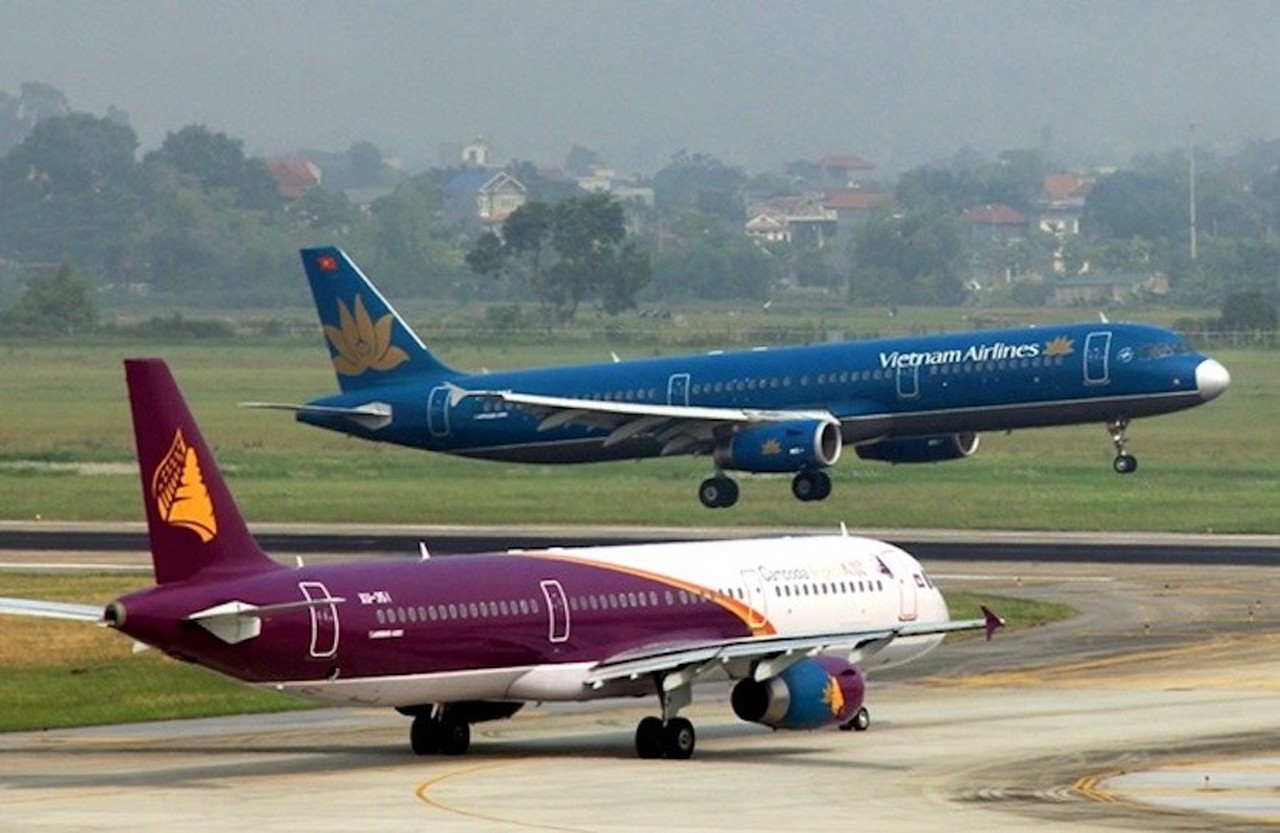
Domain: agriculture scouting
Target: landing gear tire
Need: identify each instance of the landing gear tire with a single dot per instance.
(649, 738)
(860, 722)
(811, 485)
(1125, 464)
(455, 737)
(718, 492)
(678, 739)
(439, 736)
(424, 735)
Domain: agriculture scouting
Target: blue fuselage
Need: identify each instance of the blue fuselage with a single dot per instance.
(878, 390)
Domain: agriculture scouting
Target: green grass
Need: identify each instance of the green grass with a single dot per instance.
(1214, 468)
(56, 674)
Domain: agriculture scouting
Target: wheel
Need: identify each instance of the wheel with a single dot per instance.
(824, 485)
(860, 722)
(1125, 463)
(424, 735)
(806, 486)
(455, 736)
(649, 738)
(718, 492)
(678, 739)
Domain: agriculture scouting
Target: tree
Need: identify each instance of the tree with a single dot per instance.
(567, 253)
(712, 260)
(72, 192)
(1246, 312)
(700, 182)
(214, 161)
(1130, 204)
(62, 304)
(916, 257)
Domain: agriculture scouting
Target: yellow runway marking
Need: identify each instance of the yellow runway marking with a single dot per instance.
(424, 795)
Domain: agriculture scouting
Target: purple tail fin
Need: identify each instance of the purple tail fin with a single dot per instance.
(194, 525)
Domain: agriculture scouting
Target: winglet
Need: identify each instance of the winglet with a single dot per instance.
(993, 621)
(192, 520)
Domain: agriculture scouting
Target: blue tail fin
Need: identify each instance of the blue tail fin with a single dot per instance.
(369, 342)
(194, 525)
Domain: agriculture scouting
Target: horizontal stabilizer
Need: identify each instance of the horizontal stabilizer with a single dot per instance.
(50, 610)
(237, 621)
(371, 415)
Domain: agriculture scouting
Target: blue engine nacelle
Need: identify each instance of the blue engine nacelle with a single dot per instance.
(810, 693)
(782, 446)
(921, 449)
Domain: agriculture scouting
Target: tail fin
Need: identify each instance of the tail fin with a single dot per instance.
(194, 525)
(368, 340)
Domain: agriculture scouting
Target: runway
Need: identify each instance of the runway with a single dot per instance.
(1170, 666)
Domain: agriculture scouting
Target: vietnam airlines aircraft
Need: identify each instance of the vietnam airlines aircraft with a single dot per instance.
(903, 400)
(454, 641)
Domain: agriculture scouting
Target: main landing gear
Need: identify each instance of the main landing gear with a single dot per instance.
(1124, 463)
(439, 734)
(674, 739)
(668, 736)
(721, 492)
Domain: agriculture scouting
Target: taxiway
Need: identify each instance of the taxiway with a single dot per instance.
(1169, 671)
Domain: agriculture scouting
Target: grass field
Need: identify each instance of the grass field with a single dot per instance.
(66, 453)
(57, 674)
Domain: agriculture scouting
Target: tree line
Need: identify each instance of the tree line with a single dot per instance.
(196, 223)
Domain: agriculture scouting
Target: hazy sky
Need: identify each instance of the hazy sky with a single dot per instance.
(754, 83)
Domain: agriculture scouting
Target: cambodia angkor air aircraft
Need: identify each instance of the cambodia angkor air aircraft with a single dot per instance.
(453, 641)
(902, 400)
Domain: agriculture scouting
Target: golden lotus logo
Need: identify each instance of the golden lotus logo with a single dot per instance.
(178, 488)
(1060, 346)
(770, 448)
(833, 696)
(361, 343)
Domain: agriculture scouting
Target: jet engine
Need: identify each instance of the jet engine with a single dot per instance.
(798, 445)
(921, 449)
(811, 693)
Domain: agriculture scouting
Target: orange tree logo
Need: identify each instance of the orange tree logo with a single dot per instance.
(362, 343)
(181, 497)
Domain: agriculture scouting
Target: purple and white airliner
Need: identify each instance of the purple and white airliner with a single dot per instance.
(458, 640)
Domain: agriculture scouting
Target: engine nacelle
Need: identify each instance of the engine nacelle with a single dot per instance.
(810, 693)
(782, 446)
(921, 449)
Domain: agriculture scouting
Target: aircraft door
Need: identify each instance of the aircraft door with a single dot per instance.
(1097, 349)
(756, 598)
(678, 389)
(557, 611)
(438, 411)
(324, 620)
(909, 601)
(908, 382)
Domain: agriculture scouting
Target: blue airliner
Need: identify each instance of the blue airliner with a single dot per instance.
(788, 410)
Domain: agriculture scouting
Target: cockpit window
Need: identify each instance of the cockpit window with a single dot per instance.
(1163, 350)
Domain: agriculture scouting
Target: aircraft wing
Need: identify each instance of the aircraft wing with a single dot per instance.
(679, 428)
(768, 656)
(50, 610)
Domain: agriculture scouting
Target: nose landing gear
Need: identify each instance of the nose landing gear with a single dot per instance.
(1124, 463)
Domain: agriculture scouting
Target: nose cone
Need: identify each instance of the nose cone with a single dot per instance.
(1211, 378)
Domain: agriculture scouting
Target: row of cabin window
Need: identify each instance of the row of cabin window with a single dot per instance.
(468, 610)
(826, 589)
(485, 610)
(991, 366)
